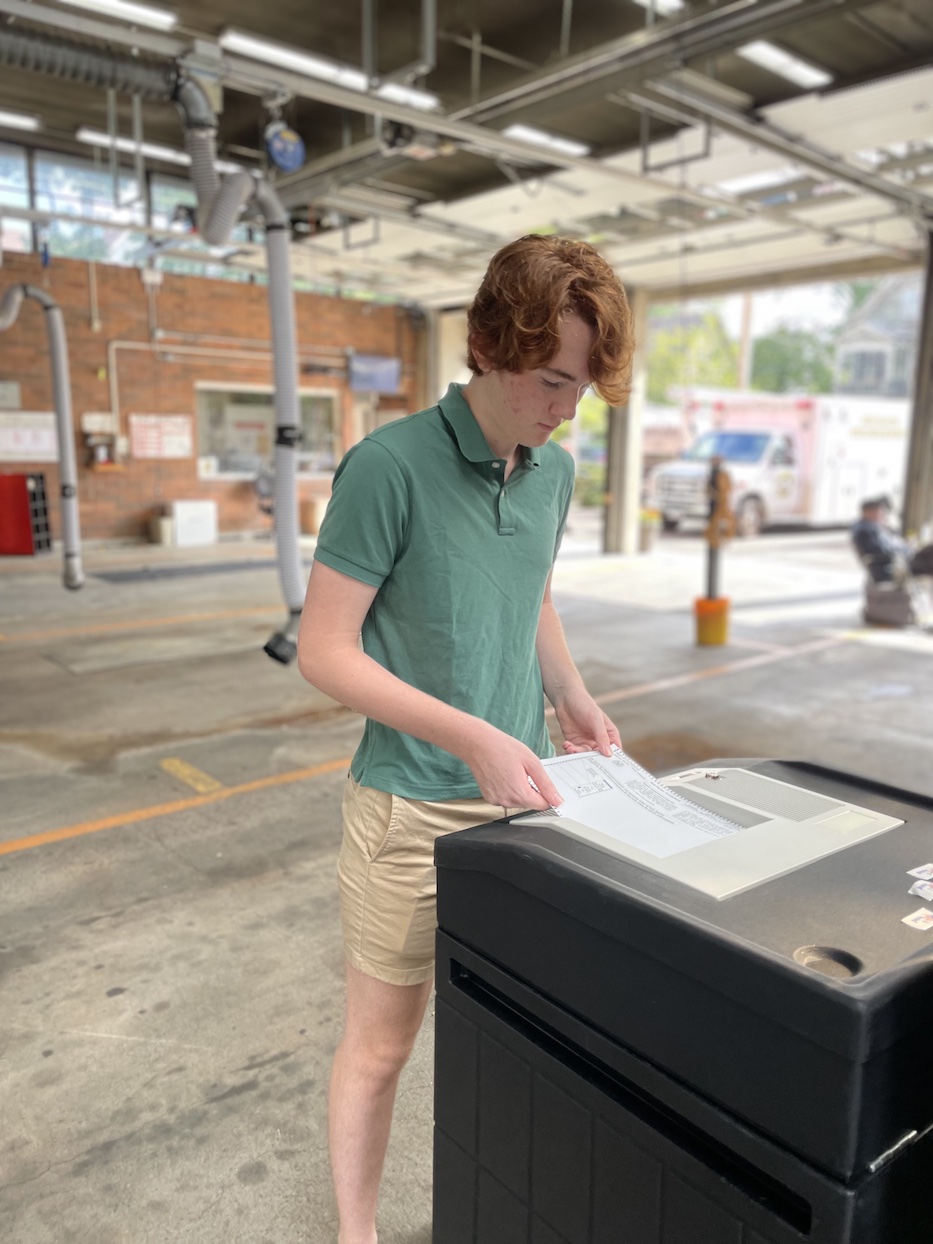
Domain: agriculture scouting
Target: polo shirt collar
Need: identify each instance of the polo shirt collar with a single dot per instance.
(471, 442)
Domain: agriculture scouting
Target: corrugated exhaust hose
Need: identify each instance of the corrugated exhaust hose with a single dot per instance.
(10, 304)
(220, 201)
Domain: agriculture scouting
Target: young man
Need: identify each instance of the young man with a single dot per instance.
(437, 547)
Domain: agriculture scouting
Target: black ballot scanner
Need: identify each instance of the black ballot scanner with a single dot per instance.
(624, 1059)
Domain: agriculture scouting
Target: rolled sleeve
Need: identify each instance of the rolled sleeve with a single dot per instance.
(366, 522)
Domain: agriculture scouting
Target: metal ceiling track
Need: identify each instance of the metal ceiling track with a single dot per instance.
(658, 48)
(695, 107)
(645, 51)
(639, 54)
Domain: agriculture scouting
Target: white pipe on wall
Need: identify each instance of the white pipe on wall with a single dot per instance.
(162, 347)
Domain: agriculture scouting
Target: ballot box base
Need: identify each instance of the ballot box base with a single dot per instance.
(548, 1131)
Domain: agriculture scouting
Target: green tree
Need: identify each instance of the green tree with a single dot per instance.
(791, 360)
(852, 295)
(694, 351)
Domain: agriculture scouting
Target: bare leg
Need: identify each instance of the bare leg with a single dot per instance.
(382, 1024)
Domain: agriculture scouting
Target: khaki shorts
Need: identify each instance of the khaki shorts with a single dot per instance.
(388, 885)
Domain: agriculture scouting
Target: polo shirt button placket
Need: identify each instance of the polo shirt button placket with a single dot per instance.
(506, 526)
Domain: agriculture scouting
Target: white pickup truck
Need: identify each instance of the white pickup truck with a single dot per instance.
(791, 460)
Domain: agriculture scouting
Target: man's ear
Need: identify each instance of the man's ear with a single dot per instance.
(480, 357)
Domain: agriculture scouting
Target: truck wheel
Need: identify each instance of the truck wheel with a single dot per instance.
(669, 524)
(749, 518)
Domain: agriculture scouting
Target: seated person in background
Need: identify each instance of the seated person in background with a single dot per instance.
(887, 555)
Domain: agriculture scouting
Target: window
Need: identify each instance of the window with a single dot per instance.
(783, 454)
(15, 235)
(863, 370)
(902, 364)
(236, 431)
(82, 189)
(166, 195)
(730, 446)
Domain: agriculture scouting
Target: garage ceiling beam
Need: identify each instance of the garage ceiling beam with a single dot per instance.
(657, 48)
(787, 276)
(680, 95)
(352, 204)
(101, 31)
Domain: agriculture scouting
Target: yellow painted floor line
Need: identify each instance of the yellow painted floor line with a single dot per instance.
(168, 809)
(139, 624)
(197, 779)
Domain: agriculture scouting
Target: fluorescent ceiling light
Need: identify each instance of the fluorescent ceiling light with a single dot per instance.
(138, 14)
(326, 70)
(19, 121)
(289, 58)
(663, 8)
(769, 56)
(154, 151)
(765, 179)
(397, 93)
(527, 134)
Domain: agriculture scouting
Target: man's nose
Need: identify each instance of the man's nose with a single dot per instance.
(565, 408)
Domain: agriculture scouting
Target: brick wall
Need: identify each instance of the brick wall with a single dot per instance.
(117, 502)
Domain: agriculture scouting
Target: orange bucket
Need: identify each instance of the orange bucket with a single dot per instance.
(712, 617)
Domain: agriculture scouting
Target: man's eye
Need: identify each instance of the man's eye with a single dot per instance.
(551, 384)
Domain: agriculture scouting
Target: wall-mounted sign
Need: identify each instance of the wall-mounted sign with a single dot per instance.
(28, 436)
(161, 436)
(374, 373)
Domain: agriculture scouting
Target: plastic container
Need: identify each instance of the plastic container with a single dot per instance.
(712, 619)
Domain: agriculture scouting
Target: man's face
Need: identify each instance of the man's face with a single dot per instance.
(533, 403)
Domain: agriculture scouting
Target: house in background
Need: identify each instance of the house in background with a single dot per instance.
(876, 352)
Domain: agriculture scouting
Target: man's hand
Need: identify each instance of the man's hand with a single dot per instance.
(505, 769)
(585, 726)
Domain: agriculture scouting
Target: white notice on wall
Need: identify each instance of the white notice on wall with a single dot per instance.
(28, 436)
(161, 436)
(10, 395)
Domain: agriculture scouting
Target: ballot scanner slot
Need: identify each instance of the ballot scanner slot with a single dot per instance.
(722, 1162)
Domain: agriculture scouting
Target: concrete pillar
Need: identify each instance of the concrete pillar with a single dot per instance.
(429, 382)
(451, 350)
(918, 491)
(624, 445)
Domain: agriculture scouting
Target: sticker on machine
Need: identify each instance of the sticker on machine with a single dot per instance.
(922, 918)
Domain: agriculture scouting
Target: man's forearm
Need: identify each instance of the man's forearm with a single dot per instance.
(559, 674)
(355, 680)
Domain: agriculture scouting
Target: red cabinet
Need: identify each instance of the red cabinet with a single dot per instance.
(24, 515)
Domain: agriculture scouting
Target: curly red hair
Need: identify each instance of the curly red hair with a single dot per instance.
(529, 287)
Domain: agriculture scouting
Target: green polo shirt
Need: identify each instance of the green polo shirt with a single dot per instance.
(460, 556)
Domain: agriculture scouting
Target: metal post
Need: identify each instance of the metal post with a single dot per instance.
(368, 25)
(712, 572)
(112, 135)
(565, 20)
(476, 45)
(138, 148)
(918, 490)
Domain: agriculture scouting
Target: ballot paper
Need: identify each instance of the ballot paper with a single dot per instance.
(618, 801)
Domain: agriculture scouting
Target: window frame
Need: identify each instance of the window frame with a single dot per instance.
(205, 472)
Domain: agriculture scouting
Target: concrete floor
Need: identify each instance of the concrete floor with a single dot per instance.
(169, 821)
